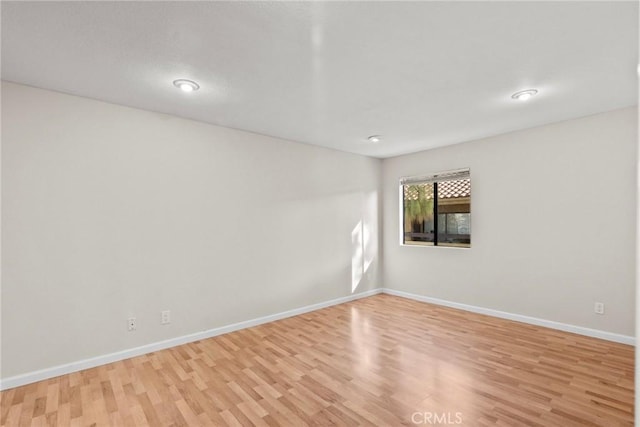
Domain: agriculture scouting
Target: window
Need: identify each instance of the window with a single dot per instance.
(437, 209)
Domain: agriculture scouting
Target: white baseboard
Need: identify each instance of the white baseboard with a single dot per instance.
(80, 365)
(595, 333)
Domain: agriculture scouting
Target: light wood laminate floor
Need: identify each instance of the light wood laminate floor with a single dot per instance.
(383, 361)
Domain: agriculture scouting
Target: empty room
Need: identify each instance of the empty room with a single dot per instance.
(273, 213)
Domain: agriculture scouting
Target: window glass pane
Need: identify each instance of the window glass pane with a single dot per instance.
(454, 213)
(418, 214)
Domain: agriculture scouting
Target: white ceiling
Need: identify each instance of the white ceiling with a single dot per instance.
(421, 74)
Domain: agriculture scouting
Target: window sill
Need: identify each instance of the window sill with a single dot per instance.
(433, 246)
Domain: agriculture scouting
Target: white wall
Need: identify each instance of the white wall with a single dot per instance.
(111, 212)
(553, 224)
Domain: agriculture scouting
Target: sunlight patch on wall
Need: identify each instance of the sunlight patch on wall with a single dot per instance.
(357, 258)
(370, 225)
(364, 240)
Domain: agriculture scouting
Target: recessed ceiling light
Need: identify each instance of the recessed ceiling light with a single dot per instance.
(523, 95)
(186, 85)
(375, 138)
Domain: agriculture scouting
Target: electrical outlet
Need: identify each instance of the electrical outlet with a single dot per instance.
(131, 324)
(599, 308)
(166, 317)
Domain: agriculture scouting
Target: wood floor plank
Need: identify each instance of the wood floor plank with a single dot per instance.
(379, 361)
